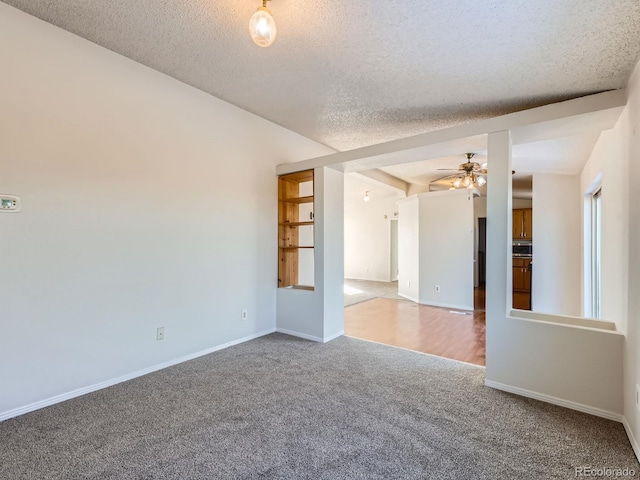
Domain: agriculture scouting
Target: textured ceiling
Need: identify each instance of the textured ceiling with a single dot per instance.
(351, 73)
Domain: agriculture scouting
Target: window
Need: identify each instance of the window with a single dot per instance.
(596, 253)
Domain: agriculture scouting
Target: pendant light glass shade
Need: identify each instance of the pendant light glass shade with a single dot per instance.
(262, 27)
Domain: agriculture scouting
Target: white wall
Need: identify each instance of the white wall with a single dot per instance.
(435, 239)
(446, 248)
(367, 238)
(146, 203)
(479, 208)
(557, 263)
(629, 127)
(409, 248)
(609, 162)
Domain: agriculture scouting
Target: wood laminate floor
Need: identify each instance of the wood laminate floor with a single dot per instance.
(434, 330)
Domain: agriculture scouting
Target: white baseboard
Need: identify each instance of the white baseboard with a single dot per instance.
(113, 381)
(333, 337)
(598, 412)
(293, 333)
(435, 304)
(407, 297)
(632, 439)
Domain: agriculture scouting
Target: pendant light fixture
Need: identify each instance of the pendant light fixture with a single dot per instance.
(262, 26)
(366, 196)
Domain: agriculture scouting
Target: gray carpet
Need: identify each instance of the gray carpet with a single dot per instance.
(280, 407)
(357, 291)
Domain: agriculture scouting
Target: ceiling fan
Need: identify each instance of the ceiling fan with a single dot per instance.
(468, 174)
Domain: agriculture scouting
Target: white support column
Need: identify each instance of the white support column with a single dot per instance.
(332, 267)
(499, 220)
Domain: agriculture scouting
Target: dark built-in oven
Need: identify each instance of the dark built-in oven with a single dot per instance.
(523, 248)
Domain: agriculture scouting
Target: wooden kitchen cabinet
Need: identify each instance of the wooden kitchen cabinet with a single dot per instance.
(518, 218)
(521, 274)
(527, 220)
(522, 224)
(521, 301)
(521, 283)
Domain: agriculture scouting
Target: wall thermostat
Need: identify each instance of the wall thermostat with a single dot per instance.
(10, 203)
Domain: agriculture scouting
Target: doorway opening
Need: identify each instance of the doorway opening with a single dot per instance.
(481, 266)
(382, 245)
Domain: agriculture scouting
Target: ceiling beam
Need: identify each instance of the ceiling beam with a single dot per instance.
(387, 180)
(585, 114)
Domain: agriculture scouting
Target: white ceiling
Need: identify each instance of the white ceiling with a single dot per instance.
(563, 156)
(351, 73)
(355, 186)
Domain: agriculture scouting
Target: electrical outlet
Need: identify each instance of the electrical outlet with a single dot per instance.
(160, 333)
(437, 288)
(638, 397)
(244, 315)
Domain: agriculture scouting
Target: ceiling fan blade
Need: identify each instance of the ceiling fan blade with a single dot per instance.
(455, 175)
(484, 171)
(450, 169)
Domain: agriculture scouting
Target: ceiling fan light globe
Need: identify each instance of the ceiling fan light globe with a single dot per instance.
(262, 27)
